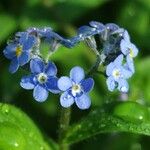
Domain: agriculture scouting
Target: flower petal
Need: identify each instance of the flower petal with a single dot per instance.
(118, 60)
(24, 58)
(112, 27)
(9, 51)
(110, 83)
(29, 42)
(40, 93)
(27, 82)
(124, 47)
(123, 85)
(109, 69)
(50, 69)
(83, 102)
(130, 64)
(66, 100)
(64, 83)
(126, 35)
(52, 85)
(77, 74)
(14, 65)
(36, 65)
(87, 84)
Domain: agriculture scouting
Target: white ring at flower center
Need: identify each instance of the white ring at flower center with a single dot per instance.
(116, 73)
(42, 78)
(76, 89)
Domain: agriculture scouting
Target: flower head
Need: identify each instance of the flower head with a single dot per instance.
(129, 50)
(75, 89)
(19, 51)
(42, 80)
(117, 75)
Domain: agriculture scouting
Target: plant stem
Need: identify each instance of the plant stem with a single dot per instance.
(94, 68)
(64, 124)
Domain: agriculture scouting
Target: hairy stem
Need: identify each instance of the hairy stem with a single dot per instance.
(64, 124)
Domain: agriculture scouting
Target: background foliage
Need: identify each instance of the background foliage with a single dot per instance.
(65, 16)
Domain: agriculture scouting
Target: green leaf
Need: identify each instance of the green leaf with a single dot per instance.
(128, 117)
(17, 131)
(7, 26)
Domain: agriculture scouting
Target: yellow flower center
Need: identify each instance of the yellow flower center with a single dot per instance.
(131, 53)
(116, 73)
(18, 50)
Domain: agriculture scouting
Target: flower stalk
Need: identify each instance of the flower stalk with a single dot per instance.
(65, 114)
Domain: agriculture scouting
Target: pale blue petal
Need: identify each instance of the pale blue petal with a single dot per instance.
(51, 69)
(24, 58)
(27, 82)
(77, 74)
(36, 65)
(14, 65)
(109, 69)
(123, 47)
(130, 64)
(83, 102)
(40, 93)
(64, 83)
(118, 60)
(111, 83)
(126, 35)
(66, 100)
(87, 85)
(123, 85)
(126, 71)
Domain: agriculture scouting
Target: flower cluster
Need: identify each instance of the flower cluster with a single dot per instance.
(110, 43)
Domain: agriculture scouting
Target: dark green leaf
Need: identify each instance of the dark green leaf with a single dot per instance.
(124, 117)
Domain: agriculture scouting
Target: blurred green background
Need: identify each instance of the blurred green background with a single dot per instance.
(65, 16)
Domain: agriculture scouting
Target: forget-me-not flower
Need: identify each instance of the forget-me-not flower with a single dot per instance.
(42, 80)
(117, 75)
(19, 51)
(129, 50)
(75, 89)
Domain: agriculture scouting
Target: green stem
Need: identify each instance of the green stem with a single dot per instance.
(94, 68)
(64, 124)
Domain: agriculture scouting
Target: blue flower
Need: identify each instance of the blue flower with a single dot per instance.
(75, 89)
(53, 38)
(99, 26)
(42, 80)
(117, 75)
(19, 51)
(112, 27)
(129, 50)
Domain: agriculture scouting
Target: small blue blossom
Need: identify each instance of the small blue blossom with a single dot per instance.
(42, 80)
(75, 89)
(19, 52)
(129, 50)
(86, 32)
(117, 75)
(112, 27)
